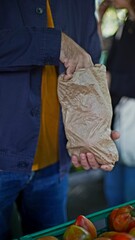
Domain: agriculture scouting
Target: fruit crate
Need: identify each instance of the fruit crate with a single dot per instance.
(98, 218)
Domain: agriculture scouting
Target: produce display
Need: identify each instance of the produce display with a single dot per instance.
(120, 222)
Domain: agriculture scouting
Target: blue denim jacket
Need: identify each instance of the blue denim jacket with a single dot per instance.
(23, 53)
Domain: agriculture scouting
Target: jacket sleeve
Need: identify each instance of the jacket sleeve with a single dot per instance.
(28, 47)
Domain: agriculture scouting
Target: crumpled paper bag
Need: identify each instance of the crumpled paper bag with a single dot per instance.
(87, 114)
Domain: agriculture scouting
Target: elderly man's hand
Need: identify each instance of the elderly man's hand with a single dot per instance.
(88, 161)
(73, 56)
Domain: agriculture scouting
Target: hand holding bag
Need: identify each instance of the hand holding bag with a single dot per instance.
(87, 114)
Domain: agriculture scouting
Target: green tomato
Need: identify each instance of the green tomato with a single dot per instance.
(76, 233)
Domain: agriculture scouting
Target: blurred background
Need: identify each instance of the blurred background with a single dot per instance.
(86, 193)
(111, 20)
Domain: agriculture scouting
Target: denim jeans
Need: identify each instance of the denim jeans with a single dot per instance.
(119, 186)
(41, 198)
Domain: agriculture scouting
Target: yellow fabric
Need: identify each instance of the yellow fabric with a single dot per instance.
(47, 148)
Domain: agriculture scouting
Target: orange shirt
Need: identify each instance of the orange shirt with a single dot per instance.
(47, 148)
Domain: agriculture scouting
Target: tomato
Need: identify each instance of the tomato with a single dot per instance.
(108, 234)
(131, 224)
(85, 223)
(121, 219)
(132, 231)
(122, 236)
(74, 232)
(47, 238)
(102, 238)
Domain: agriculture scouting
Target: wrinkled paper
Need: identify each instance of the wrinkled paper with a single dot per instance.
(87, 114)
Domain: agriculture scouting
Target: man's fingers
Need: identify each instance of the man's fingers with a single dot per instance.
(70, 69)
(68, 76)
(84, 161)
(92, 161)
(73, 56)
(107, 167)
(75, 161)
(88, 161)
(115, 135)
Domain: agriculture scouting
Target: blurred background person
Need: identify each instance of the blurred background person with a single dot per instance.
(119, 184)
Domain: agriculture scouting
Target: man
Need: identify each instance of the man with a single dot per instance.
(26, 46)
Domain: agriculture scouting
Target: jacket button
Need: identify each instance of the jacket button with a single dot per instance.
(35, 111)
(39, 10)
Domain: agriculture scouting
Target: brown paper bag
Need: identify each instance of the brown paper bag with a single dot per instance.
(87, 114)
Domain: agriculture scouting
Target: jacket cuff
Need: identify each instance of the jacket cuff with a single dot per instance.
(51, 51)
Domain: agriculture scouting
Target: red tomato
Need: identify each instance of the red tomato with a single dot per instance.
(108, 234)
(85, 223)
(121, 219)
(131, 224)
(102, 238)
(47, 238)
(122, 236)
